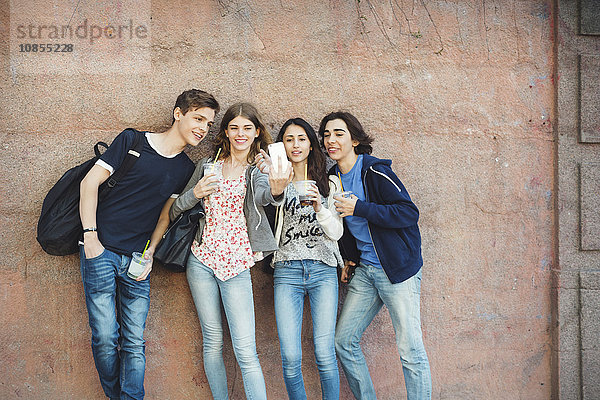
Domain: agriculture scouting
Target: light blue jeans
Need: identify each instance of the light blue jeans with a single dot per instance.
(368, 291)
(294, 280)
(117, 308)
(236, 296)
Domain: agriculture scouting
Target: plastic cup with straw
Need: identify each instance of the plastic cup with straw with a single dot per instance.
(343, 193)
(138, 263)
(302, 188)
(210, 167)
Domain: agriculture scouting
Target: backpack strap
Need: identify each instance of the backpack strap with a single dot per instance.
(130, 159)
(97, 148)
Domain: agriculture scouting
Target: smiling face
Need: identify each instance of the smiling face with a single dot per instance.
(194, 124)
(338, 142)
(296, 142)
(241, 133)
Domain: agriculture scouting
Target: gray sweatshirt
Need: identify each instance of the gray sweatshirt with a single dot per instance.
(258, 194)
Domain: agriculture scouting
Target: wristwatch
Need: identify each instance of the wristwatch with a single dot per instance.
(89, 230)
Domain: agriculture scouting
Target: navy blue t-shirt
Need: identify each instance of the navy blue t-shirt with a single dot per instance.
(127, 217)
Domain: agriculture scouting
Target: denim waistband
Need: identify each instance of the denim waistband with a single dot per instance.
(291, 263)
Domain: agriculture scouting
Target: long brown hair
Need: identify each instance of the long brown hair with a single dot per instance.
(316, 159)
(249, 112)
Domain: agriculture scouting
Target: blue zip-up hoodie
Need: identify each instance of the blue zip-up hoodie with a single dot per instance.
(392, 219)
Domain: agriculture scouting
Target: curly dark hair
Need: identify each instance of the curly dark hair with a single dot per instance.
(357, 132)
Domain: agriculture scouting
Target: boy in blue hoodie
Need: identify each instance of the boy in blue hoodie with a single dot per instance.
(382, 243)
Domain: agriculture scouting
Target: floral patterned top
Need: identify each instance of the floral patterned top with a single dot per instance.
(225, 246)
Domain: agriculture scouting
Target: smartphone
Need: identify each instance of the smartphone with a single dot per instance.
(351, 271)
(277, 152)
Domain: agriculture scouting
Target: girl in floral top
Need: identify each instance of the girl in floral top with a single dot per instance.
(233, 235)
(306, 261)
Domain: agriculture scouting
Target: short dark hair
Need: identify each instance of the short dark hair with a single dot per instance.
(357, 132)
(193, 99)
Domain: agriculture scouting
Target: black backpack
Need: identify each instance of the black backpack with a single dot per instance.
(59, 227)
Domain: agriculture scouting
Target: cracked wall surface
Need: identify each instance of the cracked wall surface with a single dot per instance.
(459, 94)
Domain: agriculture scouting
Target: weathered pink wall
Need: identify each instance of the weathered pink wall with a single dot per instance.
(457, 93)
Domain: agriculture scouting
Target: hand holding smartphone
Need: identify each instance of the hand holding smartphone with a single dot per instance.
(278, 155)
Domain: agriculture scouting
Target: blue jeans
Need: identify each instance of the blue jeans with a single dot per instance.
(117, 307)
(294, 280)
(236, 296)
(368, 291)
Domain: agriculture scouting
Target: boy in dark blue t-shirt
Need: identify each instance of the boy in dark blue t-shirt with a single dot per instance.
(135, 211)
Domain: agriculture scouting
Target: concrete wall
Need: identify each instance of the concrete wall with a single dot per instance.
(459, 94)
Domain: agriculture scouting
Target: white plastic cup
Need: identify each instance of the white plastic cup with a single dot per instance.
(210, 168)
(302, 189)
(137, 265)
(345, 195)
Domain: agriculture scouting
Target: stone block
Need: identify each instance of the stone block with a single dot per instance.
(590, 206)
(590, 333)
(589, 17)
(590, 311)
(590, 319)
(590, 360)
(568, 320)
(589, 100)
(569, 388)
(590, 279)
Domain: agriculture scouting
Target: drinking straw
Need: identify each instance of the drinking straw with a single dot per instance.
(306, 171)
(217, 157)
(339, 176)
(145, 248)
